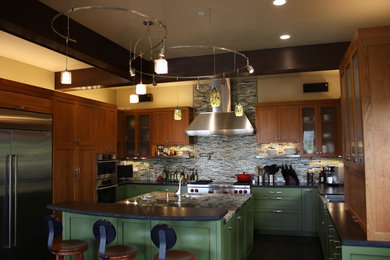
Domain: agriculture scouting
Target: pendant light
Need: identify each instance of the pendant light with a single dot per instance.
(238, 109)
(66, 76)
(161, 64)
(140, 89)
(134, 98)
(177, 112)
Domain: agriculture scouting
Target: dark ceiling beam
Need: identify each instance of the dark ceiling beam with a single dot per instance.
(91, 78)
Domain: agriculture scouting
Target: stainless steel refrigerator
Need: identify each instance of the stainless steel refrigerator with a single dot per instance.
(25, 183)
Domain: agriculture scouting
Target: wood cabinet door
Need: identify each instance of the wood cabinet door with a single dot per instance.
(64, 121)
(64, 166)
(85, 174)
(162, 127)
(288, 124)
(266, 124)
(85, 124)
(179, 126)
(100, 132)
(110, 130)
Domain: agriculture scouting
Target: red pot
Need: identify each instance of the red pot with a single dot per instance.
(244, 177)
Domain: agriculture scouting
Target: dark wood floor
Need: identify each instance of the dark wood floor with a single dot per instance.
(269, 247)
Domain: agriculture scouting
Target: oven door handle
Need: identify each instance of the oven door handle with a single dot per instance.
(107, 187)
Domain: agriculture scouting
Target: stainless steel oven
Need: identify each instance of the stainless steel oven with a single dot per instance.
(106, 177)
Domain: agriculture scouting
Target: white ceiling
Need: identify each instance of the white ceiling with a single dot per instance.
(240, 25)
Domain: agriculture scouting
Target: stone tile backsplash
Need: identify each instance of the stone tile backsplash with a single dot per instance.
(221, 157)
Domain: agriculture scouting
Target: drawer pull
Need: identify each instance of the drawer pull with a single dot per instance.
(275, 192)
(239, 218)
(307, 190)
(277, 198)
(277, 211)
(230, 228)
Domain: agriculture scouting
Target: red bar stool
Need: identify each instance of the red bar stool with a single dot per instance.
(105, 233)
(65, 247)
(164, 237)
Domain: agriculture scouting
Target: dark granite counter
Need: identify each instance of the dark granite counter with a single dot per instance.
(149, 182)
(162, 206)
(123, 210)
(348, 229)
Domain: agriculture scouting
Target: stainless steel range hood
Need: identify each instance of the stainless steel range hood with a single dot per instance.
(222, 121)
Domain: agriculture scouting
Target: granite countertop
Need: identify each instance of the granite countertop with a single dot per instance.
(229, 202)
(154, 206)
(351, 234)
(144, 182)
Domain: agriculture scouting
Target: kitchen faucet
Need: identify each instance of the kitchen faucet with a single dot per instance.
(178, 192)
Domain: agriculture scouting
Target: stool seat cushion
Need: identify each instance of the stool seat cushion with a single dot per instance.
(178, 255)
(121, 252)
(67, 246)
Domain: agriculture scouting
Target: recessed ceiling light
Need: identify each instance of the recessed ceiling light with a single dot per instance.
(285, 36)
(201, 13)
(279, 2)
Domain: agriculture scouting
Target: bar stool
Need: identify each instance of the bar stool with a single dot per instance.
(164, 237)
(65, 247)
(105, 233)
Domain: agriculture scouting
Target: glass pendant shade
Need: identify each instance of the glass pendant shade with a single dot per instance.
(177, 114)
(66, 77)
(140, 89)
(215, 98)
(161, 66)
(134, 99)
(238, 109)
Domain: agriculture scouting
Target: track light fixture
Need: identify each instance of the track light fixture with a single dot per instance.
(250, 69)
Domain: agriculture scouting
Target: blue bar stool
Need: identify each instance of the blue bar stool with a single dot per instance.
(105, 233)
(65, 247)
(164, 237)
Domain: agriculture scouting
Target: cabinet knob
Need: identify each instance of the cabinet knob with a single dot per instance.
(239, 218)
(277, 211)
(230, 228)
(77, 141)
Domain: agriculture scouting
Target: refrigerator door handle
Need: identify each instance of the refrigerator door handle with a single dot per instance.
(9, 172)
(15, 175)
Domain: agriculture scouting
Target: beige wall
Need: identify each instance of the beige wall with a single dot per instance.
(289, 87)
(164, 95)
(25, 73)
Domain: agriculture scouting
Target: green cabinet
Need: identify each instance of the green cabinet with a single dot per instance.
(309, 209)
(123, 192)
(277, 209)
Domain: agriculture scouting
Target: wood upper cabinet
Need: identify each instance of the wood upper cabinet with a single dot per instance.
(106, 130)
(168, 131)
(320, 134)
(365, 81)
(21, 96)
(277, 122)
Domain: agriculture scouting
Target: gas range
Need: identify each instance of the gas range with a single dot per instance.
(238, 188)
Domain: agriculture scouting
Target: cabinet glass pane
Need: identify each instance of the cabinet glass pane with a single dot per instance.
(130, 135)
(144, 134)
(359, 131)
(350, 112)
(328, 117)
(345, 114)
(308, 119)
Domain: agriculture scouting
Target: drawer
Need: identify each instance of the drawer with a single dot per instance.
(277, 202)
(272, 192)
(285, 220)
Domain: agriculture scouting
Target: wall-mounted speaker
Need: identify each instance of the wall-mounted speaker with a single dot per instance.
(145, 98)
(315, 87)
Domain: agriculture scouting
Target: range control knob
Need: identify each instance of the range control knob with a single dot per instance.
(210, 191)
(235, 191)
(196, 190)
(245, 191)
(226, 192)
(240, 191)
(192, 190)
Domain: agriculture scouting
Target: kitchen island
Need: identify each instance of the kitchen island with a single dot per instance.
(213, 226)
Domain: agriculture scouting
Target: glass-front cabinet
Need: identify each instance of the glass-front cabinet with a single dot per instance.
(353, 149)
(320, 134)
(137, 135)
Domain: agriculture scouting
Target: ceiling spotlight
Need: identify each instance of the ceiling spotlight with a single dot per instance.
(279, 2)
(285, 36)
(134, 99)
(132, 72)
(250, 69)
